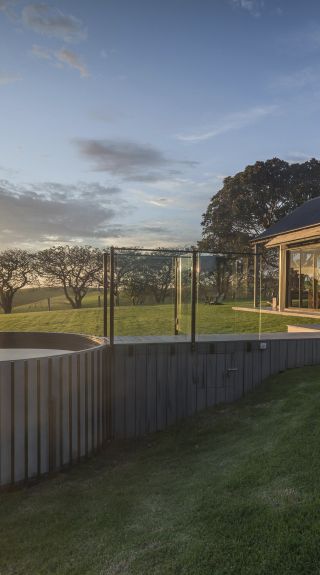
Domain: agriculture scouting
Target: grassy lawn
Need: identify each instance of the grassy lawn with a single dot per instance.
(36, 299)
(233, 490)
(148, 320)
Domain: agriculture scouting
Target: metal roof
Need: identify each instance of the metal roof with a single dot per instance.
(306, 215)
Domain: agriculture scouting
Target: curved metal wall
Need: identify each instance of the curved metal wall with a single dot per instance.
(52, 412)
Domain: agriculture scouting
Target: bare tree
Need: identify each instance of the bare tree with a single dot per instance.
(16, 271)
(75, 268)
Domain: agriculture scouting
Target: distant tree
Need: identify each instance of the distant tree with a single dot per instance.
(254, 199)
(159, 274)
(139, 275)
(75, 268)
(16, 271)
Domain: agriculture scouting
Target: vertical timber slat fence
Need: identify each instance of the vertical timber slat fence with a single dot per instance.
(56, 411)
(52, 413)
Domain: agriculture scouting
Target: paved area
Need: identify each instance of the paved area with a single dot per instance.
(128, 340)
(286, 312)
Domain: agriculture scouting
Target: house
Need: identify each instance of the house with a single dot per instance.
(297, 236)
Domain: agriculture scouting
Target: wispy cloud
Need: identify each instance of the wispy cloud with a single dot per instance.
(298, 157)
(297, 79)
(71, 59)
(61, 58)
(129, 160)
(230, 123)
(8, 79)
(304, 39)
(5, 4)
(52, 22)
(254, 7)
(41, 52)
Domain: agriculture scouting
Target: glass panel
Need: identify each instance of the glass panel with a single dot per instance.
(226, 295)
(306, 280)
(144, 293)
(184, 291)
(317, 279)
(152, 294)
(294, 279)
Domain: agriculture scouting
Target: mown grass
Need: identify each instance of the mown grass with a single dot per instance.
(149, 320)
(233, 490)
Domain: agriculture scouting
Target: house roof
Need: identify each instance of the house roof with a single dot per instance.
(306, 215)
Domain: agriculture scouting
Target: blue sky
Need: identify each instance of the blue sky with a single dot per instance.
(120, 118)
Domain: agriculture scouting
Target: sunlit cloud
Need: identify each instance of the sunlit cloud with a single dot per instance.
(52, 22)
(60, 58)
(297, 157)
(8, 79)
(71, 59)
(230, 123)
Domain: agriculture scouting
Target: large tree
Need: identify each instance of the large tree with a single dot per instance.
(75, 268)
(16, 271)
(254, 199)
(146, 275)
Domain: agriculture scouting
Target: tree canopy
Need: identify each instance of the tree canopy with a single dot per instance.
(75, 268)
(254, 199)
(16, 272)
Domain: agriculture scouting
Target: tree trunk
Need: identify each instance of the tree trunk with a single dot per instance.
(6, 303)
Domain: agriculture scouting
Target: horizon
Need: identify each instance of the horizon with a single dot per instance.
(122, 119)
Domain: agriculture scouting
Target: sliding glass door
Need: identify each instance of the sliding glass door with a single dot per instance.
(303, 278)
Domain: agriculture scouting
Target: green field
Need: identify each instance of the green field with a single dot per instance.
(36, 299)
(234, 490)
(148, 320)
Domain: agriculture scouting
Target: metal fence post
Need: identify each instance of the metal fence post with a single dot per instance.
(105, 294)
(112, 285)
(176, 319)
(256, 292)
(194, 298)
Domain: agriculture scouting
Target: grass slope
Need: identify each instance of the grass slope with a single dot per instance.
(233, 490)
(148, 320)
(36, 299)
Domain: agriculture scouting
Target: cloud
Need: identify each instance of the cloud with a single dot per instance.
(6, 4)
(41, 52)
(8, 79)
(71, 59)
(129, 160)
(254, 7)
(52, 22)
(159, 202)
(297, 79)
(36, 213)
(230, 123)
(60, 58)
(297, 157)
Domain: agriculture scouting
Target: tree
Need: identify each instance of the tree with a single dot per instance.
(159, 274)
(141, 274)
(75, 268)
(16, 271)
(254, 199)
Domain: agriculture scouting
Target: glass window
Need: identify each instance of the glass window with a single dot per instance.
(307, 280)
(294, 279)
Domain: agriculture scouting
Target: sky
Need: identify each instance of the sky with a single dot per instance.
(121, 118)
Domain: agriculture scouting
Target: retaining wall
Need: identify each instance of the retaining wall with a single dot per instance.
(53, 412)
(56, 410)
(156, 385)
